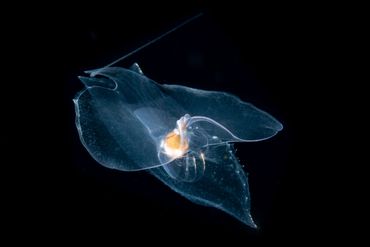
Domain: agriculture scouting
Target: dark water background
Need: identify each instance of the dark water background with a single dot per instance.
(265, 55)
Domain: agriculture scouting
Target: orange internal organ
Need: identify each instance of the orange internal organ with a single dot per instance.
(174, 145)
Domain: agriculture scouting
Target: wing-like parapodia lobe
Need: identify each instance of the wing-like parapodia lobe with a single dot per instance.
(224, 185)
(109, 123)
(244, 120)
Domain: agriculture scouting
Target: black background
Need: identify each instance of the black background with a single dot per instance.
(270, 56)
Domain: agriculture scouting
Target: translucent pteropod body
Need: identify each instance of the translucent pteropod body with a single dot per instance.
(129, 122)
(181, 135)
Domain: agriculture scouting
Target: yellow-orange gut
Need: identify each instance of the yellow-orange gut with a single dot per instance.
(175, 145)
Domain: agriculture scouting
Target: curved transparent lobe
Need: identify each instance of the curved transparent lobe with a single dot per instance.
(244, 120)
(107, 109)
(223, 185)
